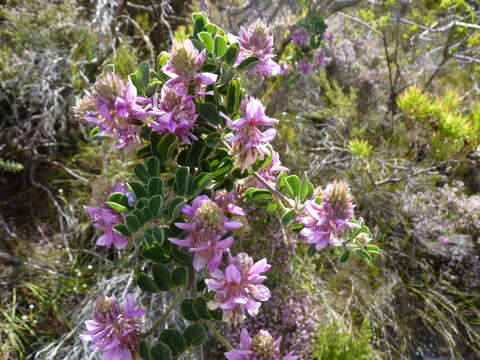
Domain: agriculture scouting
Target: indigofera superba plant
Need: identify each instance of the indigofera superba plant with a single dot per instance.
(203, 146)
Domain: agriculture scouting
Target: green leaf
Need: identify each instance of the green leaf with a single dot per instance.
(297, 227)
(146, 283)
(137, 189)
(344, 257)
(181, 257)
(187, 310)
(207, 40)
(310, 191)
(248, 63)
(153, 166)
(209, 112)
(148, 238)
(372, 249)
(260, 197)
(182, 180)
(288, 217)
(141, 172)
(200, 307)
(94, 131)
(293, 185)
(109, 68)
(195, 335)
(143, 74)
(271, 207)
(159, 235)
(220, 46)
(137, 83)
(141, 217)
(132, 223)
(165, 145)
(119, 198)
(365, 255)
(195, 153)
(199, 22)
(144, 152)
(161, 351)
(175, 206)
(216, 314)
(144, 350)
(156, 253)
(162, 59)
(174, 339)
(179, 276)
(233, 97)
(281, 182)
(232, 54)
(303, 189)
(162, 277)
(155, 205)
(200, 182)
(155, 186)
(122, 230)
(116, 206)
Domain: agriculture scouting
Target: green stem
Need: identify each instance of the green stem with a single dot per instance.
(218, 335)
(164, 316)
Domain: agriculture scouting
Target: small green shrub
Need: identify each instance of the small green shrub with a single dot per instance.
(335, 342)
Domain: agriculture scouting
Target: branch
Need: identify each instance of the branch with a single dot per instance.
(162, 318)
(342, 4)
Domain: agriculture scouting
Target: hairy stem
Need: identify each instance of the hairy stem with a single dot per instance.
(192, 285)
(164, 316)
(217, 334)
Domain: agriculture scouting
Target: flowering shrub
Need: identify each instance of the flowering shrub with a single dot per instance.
(202, 146)
(307, 39)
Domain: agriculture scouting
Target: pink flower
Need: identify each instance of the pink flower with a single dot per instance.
(114, 107)
(321, 60)
(300, 36)
(239, 288)
(249, 143)
(257, 41)
(262, 347)
(329, 37)
(207, 227)
(106, 218)
(226, 201)
(183, 65)
(113, 330)
(285, 68)
(443, 240)
(329, 218)
(174, 114)
(304, 67)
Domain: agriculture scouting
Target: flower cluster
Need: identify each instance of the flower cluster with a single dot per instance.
(207, 229)
(262, 347)
(239, 288)
(174, 113)
(305, 67)
(328, 216)
(249, 143)
(183, 65)
(300, 36)
(257, 41)
(106, 218)
(114, 330)
(114, 107)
